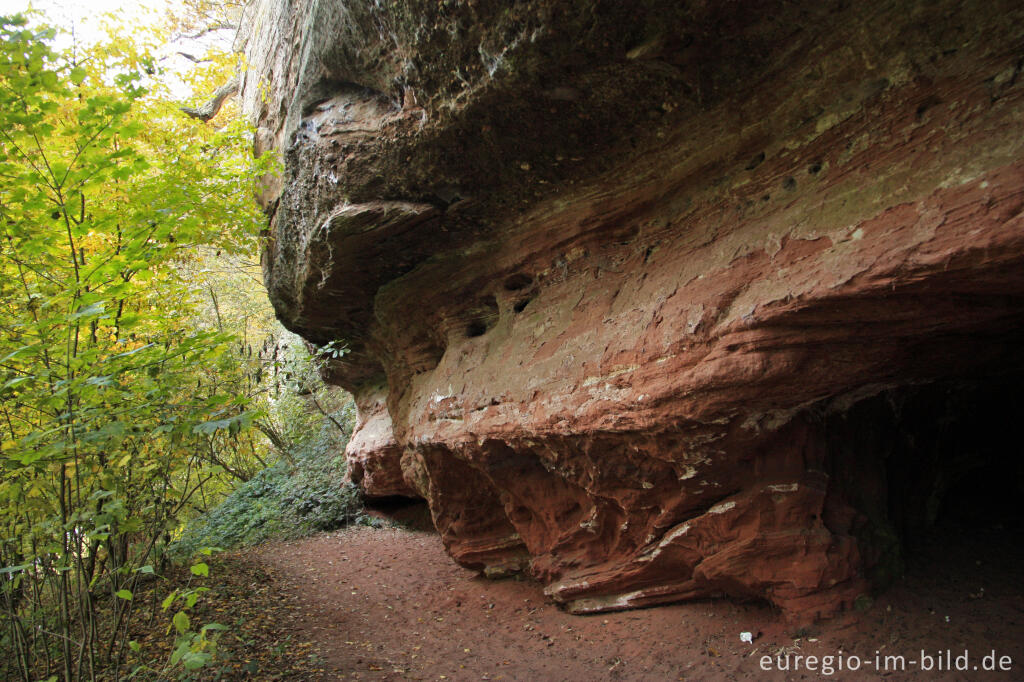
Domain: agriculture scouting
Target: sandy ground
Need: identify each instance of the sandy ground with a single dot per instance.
(388, 604)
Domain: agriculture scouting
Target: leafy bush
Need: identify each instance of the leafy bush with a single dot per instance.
(294, 497)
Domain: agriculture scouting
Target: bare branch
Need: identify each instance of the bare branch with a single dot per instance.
(210, 109)
(192, 58)
(220, 26)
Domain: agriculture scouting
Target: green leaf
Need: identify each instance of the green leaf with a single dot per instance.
(124, 594)
(13, 383)
(184, 646)
(200, 569)
(181, 622)
(13, 354)
(87, 311)
(210, 427)
(194, 660)
(134, 646)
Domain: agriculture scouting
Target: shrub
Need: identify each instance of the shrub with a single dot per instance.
(296, 496)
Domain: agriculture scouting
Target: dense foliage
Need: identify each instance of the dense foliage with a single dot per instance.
(141, 379)
(296, 496)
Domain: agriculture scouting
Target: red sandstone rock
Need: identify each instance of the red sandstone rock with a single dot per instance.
(373, 453)
(617, 294)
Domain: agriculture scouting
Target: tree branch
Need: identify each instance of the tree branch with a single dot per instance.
(220, 95)
(327, 414)
(192, 58)
(220, 26)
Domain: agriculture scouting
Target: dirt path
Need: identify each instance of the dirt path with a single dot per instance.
(388, 604)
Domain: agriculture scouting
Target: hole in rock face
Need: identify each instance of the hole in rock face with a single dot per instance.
(413, 514)
(928, 103)
(518, 281)
(483, 316)
(424, 353)
(935, 473)
(955, 460)
(475, 329)
(521, 304)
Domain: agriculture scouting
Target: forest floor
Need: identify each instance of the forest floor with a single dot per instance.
(387, 604)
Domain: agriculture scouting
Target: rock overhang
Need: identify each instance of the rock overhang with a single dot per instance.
(605, 271)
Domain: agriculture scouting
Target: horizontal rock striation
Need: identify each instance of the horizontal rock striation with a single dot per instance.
(639, 295)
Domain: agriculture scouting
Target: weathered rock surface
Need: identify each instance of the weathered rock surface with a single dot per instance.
(639, 294)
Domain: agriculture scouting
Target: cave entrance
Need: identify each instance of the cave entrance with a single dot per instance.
(935, 472)
(956, 463)
(407, 512)
(936, 468)
(987, 497)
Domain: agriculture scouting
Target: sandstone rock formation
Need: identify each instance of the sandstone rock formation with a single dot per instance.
(656, 300)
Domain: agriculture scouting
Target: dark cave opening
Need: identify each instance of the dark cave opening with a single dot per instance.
(933, 469)
(954, 459)
(987, 498)
(408, 512)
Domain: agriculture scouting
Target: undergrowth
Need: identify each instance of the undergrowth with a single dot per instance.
(300, 494)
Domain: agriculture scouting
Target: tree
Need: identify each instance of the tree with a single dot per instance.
(111, 397)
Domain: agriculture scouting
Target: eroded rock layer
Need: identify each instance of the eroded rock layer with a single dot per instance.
(637, 293)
